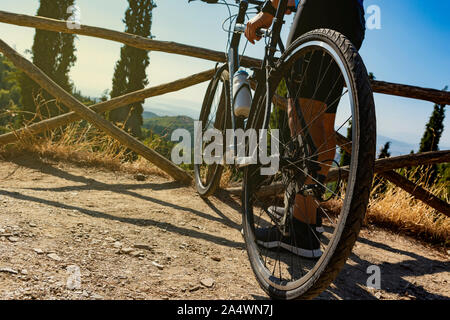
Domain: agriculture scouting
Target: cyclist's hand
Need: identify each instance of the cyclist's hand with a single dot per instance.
(261, 20)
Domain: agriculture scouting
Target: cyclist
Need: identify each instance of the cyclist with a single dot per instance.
(318, 105)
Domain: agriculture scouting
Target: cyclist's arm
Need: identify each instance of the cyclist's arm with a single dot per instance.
(263, 20)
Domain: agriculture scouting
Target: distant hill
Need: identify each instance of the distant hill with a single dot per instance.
(176, 108)
(397, 147)
(164, 126)
(149, 115)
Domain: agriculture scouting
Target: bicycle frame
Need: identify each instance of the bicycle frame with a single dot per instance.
(268, 61)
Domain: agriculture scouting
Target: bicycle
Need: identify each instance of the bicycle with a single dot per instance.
(341, 195)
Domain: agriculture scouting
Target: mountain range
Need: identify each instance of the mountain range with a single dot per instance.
(164, 122)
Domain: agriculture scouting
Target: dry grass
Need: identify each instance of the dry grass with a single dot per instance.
(397, 210)
(225, 179)
(81, 144)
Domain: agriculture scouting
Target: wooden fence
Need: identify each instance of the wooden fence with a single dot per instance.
(383, 167)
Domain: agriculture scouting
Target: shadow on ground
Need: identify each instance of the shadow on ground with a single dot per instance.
(352, 281)
(350, 284)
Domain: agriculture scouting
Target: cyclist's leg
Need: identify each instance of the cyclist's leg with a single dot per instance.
(319, 105)
(311, 112)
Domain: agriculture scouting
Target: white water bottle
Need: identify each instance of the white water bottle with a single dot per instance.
(242, 94)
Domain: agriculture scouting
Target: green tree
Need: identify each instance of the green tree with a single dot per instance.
(129, 73)
(433, 130)
(432, 135)
(379, 185)
(9, 96)
(53, 53)
(8, 83)
(384, 151)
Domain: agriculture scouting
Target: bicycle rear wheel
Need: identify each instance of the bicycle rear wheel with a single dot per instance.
(322, 174)
(214, 115)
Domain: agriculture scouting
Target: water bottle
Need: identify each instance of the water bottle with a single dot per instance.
(242, 94)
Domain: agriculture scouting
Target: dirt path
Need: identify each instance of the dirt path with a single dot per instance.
(155, 240)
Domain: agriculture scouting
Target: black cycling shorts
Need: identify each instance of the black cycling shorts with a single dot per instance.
(344, 16)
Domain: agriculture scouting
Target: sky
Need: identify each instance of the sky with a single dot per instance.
(412, 47)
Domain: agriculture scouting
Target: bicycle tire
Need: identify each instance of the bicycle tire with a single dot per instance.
(355, 204)
(209, 186)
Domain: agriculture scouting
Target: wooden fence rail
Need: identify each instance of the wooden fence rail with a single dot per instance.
(122, 37)
(417, 192)
(106, 106)
(89, 115)
(392, 163)
(384, 167)
(432, 95)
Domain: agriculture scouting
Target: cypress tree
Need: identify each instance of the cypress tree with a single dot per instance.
(53, 53)
(432, 135)
(129, 73)
(433, 130)
(384, 152)
(379, 185)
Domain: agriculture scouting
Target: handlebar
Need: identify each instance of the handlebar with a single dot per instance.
(240, 28)
(258, 3)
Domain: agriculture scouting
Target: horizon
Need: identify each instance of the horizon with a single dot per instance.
(397, 147)
(394, 53)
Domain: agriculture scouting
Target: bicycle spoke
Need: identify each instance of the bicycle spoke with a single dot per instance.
(296, 245)
(294, 237)
(302, 130)
(315, 180)
(326, 214)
